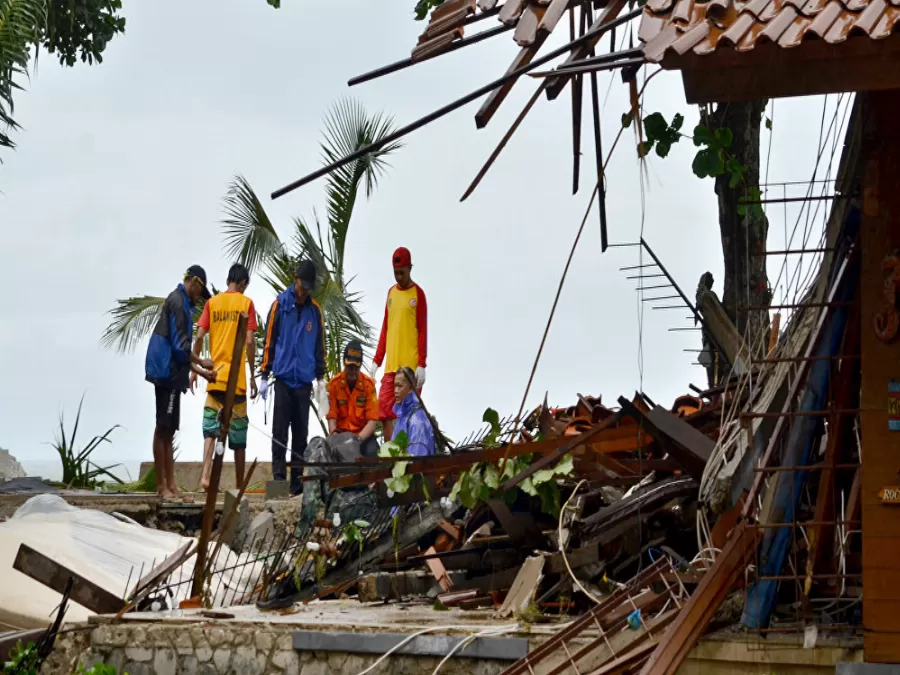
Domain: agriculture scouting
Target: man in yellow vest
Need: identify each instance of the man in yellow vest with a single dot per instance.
(404, 336)
(220, 320)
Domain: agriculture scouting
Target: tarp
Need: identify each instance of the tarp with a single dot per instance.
(97, 546)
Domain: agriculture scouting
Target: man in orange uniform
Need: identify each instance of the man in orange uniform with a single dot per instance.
(404, 336)
(220, 320)
(353, 404)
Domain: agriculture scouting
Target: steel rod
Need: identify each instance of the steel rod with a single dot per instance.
(784, 200)
(588, 69)
(406, 63)
(646, 276)
(650, 288)
(800, 413)
(661, 297)
(636, 267)
(459, 103)
(815, 467)
(795, 251)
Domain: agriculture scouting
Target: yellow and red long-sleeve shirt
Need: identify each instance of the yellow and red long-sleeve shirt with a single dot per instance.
(404, 331)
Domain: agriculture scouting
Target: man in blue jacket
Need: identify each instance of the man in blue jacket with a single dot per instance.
(294, 354)
(168, 366)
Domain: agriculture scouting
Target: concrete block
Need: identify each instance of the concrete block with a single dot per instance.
(261, 530)
(237, 528)
(277, 489)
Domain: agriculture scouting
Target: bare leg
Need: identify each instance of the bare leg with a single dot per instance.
(240, 456)
(169, 458)
(159, 463)
(209, 444)
(388, 429)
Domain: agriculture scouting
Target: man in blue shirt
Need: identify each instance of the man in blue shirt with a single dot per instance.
(411, 418)
(294, 354)
(168, 365)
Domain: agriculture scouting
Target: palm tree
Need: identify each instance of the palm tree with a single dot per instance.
(250, 238)
(21, 24)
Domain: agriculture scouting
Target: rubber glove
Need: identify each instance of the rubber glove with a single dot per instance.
(420, 377)
(373, 370)
(320, 394)
(264, 389)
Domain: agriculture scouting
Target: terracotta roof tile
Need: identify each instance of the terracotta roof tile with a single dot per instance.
(682, 26)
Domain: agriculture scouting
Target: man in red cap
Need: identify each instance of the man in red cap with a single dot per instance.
(404, 334)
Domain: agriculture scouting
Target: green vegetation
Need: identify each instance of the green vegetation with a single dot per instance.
(714, 156)
(78, 470)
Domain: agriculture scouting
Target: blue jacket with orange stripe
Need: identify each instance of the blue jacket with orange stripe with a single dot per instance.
(295, 341)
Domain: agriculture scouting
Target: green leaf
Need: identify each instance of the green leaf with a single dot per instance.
(626, 120)
(527, 486)
(402, 439)
(655, 126)
(662, 149)
(491, 476)
(399, 469)
(491, 417)
(677, 122)
(400, 484)
(362, 523)
(734, 180)
(768, 123)
(724, 137)
(389, 449)
(550, 501)
(542, 476)
(566, 466)
(702, 136)
(644, 147)
(700, 165)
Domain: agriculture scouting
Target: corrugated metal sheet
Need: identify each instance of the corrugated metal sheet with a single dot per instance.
(681, 26)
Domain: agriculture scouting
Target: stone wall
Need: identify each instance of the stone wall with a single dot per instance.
(220, 649)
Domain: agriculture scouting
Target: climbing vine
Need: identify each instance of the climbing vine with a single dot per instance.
(713, 158)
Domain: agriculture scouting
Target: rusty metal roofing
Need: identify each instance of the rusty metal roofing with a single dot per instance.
(677, 27)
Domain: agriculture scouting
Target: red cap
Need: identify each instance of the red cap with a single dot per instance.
(402, 257)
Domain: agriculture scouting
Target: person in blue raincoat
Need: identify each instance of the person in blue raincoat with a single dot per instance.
(411, 417)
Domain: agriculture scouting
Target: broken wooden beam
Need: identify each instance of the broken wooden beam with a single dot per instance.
(54, 575)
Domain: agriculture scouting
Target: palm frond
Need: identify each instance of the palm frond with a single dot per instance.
(133, 319)
(348, 127)
(21, 24)
(250, 237)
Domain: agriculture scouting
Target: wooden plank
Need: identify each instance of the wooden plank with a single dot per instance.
(881, 647)
(523, 587)
(438, 571)
(880, 237)
(53, 575)
(212, 492)
(770, 71)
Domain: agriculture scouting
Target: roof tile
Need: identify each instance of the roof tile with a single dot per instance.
(737, 30)
(886, 23)
(702, 28)
(820, 25)
(868, 19)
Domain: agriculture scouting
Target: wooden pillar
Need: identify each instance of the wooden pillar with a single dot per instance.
(880, 236)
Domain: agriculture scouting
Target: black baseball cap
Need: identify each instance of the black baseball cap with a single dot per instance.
(306, 273)
(200, 273)
(353, 354)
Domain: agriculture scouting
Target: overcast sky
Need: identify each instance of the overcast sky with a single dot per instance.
(118, 181)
